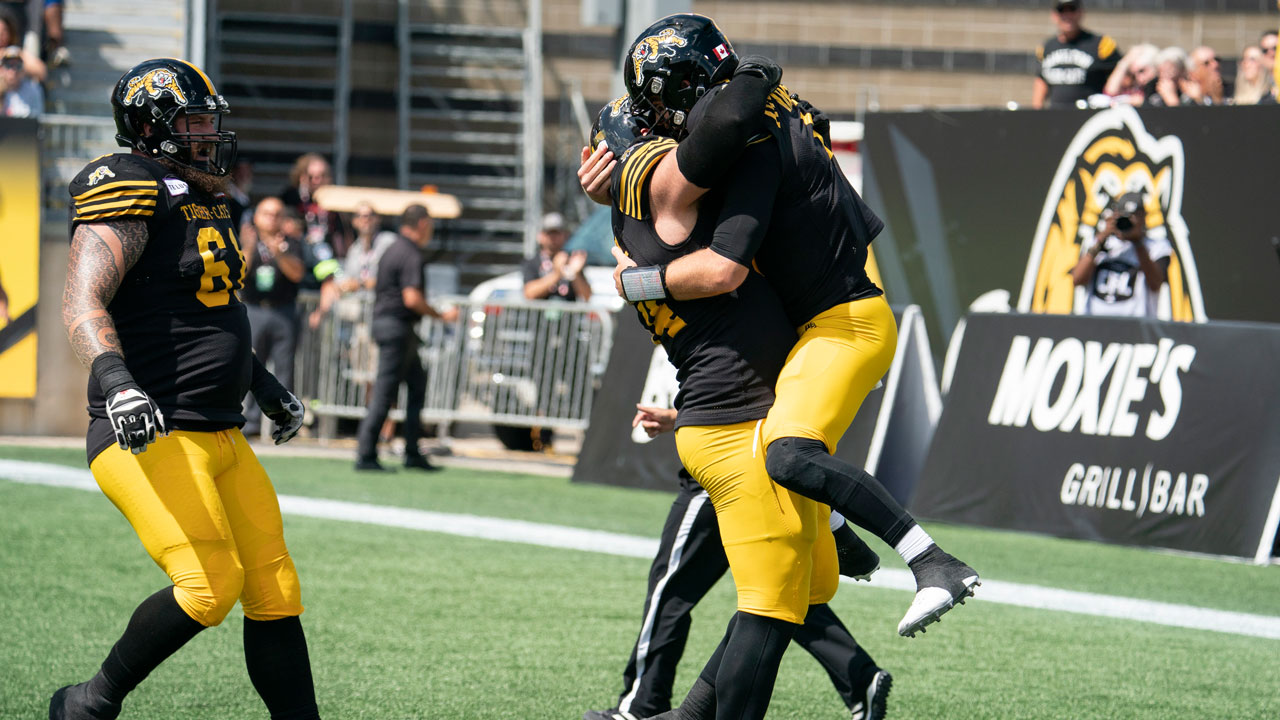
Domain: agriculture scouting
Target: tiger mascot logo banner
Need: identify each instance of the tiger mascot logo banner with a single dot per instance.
(1112, 154)
(154, 83)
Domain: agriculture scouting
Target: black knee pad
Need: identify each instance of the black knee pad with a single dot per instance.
(789, 461)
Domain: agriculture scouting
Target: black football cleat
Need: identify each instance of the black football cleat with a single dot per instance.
(857, 559)
(942, 582)
(610, 714)
(370, 465)
(876, 703)
(74, 702)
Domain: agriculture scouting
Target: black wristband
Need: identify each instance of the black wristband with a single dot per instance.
(112, 374)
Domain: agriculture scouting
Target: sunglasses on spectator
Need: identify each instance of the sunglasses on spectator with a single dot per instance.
(12, 64)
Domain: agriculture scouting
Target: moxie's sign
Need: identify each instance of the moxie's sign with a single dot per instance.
(1136, 432)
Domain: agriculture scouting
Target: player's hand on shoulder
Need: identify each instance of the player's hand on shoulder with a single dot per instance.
(761, 67)
(596, 172)
(135, 419)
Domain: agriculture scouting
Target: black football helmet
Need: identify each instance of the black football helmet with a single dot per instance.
(618, 127)
(672, 64)
(151, 96)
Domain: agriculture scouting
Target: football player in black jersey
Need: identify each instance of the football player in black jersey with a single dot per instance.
(808, 233)
(687, 574)
(151, 308)
(727, 350)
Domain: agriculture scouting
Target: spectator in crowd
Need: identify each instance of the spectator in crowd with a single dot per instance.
(310, 173)
(11, 37)
(1172, 86)
(554, 273)
(1206, 73)
(399, 302)
(1253, 82)
(1132, 74)
(1124, 268)
(1075, 63)
(274, 270)
(360, 267)
(54, 50)
(20, 96)
(238, 190)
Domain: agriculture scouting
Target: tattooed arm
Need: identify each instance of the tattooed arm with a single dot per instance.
(101, 254)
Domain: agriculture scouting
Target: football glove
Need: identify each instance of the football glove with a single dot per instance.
(135, 419)
(760, 66)
(286, 412)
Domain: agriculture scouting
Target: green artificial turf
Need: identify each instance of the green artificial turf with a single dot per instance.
(411, 624)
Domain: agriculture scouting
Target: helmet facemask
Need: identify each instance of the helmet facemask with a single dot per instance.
(211, 150)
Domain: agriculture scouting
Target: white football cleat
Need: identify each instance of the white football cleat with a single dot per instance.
(942, 582)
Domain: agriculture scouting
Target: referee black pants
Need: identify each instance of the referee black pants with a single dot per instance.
(398, 362)
(690, 560)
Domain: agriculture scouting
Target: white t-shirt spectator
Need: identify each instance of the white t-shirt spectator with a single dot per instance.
(27, 100)
(1118, 287)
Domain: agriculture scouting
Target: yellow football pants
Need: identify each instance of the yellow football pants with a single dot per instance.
(840, 356)
(779, 544)
(206, 512)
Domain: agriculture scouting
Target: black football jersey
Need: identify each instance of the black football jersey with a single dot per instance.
(1077, 68)
(183, 330)
(815, 251)
(727, 349)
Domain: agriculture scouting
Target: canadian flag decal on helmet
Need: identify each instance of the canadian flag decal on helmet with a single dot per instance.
(721, 52)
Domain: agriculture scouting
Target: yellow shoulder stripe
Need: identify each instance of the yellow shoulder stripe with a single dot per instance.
(117, 186)
(114, 213)
(639, 167)
(119, 194)
(130, 202)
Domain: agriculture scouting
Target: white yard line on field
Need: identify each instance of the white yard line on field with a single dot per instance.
(556, 536)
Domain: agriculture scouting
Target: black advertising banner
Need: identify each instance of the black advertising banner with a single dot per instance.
(1135, 432)
(997, 206)
(889, 439)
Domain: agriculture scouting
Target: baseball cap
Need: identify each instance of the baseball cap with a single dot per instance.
(1061, 5)
(553, 222)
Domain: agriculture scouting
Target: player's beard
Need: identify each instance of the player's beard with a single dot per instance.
(207, 183)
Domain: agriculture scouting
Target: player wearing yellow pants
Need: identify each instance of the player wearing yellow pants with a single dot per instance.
(151, 309)
(778, 543)
(807, 231)
(727, 351)
(207, 514)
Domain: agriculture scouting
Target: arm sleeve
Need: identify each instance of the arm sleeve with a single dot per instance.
(263, 384)
(721, 123)
(748, 205)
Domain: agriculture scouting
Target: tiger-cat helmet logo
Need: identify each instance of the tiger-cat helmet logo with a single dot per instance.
(1112, 154)
(154, 83)
(649, 49)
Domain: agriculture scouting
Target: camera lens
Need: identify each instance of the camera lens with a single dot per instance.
(1124, 223)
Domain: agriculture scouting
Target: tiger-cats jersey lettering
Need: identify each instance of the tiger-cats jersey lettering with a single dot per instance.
(814, 252)
(183, 330)
(727, 349)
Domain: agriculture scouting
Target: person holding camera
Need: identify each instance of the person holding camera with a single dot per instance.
(1124, 268)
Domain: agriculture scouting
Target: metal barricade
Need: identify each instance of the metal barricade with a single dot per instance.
(67, 144)
(508, 362)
